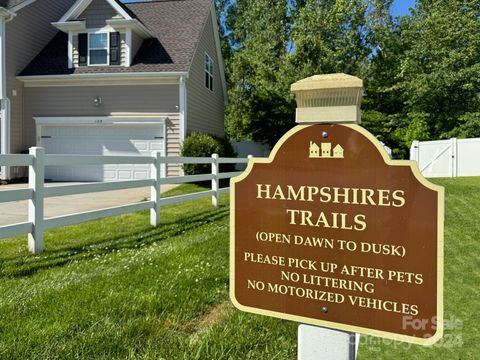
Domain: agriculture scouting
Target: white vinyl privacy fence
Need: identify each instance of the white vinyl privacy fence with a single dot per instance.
(447, 158)
(36, 192)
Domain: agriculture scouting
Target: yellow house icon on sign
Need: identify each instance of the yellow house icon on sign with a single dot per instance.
(338, 152)
(325, 151)
(314, 150)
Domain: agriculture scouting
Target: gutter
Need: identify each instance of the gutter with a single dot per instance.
(91, 76)
(5, 108)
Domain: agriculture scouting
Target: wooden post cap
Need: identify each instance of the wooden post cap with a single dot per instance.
(329, 98)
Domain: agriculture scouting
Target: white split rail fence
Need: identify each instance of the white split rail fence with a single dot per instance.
(36, 192)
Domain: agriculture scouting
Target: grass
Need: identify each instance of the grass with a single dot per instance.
(119, 289)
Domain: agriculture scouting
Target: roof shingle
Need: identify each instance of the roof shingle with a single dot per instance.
(176, 24)
(10, 3)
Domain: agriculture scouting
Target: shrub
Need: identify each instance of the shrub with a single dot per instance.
(204, 145)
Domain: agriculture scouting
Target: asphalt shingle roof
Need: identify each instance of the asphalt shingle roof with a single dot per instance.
(176, 24)
(10, 3)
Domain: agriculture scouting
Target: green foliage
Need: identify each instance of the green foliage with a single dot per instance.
(427, 73)
(421, 71)
(260, 106)
(329, 37)
(468, 126)
(204, 145)
(275, 43)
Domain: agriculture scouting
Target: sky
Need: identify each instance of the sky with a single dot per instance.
(401, 7)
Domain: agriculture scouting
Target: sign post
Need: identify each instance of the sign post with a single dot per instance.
(332, 106)
(331, 233)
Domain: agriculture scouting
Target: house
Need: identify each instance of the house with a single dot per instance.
(326, 150)
(338, 152)
(114, 79)
(314, 150)
(24, 31)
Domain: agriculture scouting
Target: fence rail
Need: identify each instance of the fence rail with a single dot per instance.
(36, 192)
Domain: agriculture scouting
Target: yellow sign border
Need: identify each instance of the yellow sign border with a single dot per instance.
(440, 259)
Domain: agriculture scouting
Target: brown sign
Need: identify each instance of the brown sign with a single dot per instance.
(329, 231)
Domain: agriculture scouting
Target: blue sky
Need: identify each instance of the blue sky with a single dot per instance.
(400, 7)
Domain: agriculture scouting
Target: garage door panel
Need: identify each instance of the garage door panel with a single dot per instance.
(141, 145)
(156, 146)
(102, 140)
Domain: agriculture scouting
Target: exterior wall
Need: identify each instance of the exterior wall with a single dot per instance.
(97, 13)
(26, 35)
(173, 142)
(205, 109)
(136, 43)
(116, 100)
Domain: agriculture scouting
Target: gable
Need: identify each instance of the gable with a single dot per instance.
(97, 13)
(175, 27)
(81, 5)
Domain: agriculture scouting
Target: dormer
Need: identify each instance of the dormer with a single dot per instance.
(101, 33)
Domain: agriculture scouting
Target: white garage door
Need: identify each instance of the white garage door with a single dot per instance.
(101, 140)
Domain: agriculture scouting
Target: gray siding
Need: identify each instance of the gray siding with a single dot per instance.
(116, 100)
(205, 109)
(26, 35)
(97, 13)
(173, 142)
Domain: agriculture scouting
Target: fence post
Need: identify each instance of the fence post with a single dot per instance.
(215, 181)
(155, 192)
(414, 151)
(36, 178)
(454, 158)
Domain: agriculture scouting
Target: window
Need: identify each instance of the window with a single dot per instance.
(208, 72)
(98, 49)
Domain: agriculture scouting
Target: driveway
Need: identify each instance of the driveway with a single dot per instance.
(16, 212)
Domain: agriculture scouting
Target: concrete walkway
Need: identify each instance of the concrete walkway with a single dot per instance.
(16, 212)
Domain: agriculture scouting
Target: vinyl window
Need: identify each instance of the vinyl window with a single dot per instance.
(98, 48)
(208, 72)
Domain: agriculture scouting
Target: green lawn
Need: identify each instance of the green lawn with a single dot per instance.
(120, 289)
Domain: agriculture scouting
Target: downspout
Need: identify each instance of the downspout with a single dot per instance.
(182, 111)
(5, 108)
(182, 107)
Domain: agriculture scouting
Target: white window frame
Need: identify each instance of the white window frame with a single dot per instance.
(209, 72)
(98, 31)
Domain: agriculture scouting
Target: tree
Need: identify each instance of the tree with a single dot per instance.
(259, 40)
(277, 43)
(421, 71)
(330, 36)
(426, 80)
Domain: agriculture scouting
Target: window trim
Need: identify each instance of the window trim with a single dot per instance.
(207, 71)
(98, 31)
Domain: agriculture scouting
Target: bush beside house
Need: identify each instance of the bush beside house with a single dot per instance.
(204, 145)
